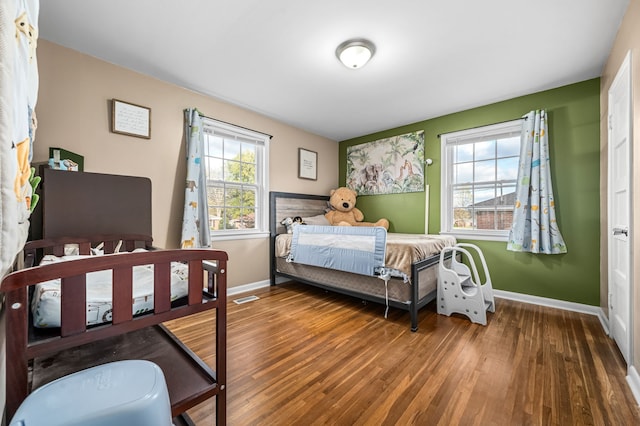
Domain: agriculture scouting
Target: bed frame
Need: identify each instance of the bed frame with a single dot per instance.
(36, 357)
(285, 204)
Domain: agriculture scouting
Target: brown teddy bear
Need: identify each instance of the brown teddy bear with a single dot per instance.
(343, 200)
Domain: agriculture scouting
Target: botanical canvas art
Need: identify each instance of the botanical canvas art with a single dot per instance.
(387, 166)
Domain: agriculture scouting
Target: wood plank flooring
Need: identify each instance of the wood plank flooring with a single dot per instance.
(302, 356)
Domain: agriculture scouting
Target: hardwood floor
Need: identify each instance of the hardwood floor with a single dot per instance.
(302, 356)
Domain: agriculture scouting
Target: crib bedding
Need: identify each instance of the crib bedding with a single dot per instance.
(45, 302)
(402, 250)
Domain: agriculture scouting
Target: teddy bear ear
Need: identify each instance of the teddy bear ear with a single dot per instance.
(333, 191)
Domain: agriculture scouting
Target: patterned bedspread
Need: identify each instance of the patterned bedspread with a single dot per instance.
(402, 249)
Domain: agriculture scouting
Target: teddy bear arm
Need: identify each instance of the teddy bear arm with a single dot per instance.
(357, 214)
(331, 217)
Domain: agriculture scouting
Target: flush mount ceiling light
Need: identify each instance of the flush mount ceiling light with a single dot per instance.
(355, 53)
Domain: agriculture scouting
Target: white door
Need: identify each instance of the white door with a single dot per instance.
(619, 208)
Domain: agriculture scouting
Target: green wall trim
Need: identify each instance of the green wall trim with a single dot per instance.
(574, 131)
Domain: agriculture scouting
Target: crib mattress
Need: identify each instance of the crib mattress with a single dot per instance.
(45, 302)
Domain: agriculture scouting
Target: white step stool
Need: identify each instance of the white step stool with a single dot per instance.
(461, 292)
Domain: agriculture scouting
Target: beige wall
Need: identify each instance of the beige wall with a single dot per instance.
(628, 38)
(72, 113)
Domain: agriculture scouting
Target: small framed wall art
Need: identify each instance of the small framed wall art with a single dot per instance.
(130, 119)
(307, 164)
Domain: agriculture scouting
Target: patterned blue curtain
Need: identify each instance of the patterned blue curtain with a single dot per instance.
(195, 223)
(534, 226)
(19, 83)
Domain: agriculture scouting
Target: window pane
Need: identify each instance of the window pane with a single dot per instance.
(231, 149)
(485, 219)
(232, 216)
(214, 170)
(462, 153)
(484, 195)
(248, 163)
(462, 218)
(234, 197)
(485, 150)
(215, 218)
(509, 147)
(233, 171)
(248, 219)
(462, 197)
(508, 168)
(504, 219)
(485, 171)
(249, 197)
(215, 196)
(248, 153)
(506, 195)
(213, 146)
(463, 173)
(248, 174)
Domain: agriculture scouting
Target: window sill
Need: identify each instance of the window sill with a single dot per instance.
(477, 235)
(239, 236)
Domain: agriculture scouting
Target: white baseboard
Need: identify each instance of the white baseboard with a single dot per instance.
(248, 287)
(255, 286)
(554, 303)
(633, 380)
(604, 321)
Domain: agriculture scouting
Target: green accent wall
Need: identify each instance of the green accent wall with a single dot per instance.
(574, 137)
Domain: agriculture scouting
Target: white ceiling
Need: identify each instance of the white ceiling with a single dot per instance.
(277, 57)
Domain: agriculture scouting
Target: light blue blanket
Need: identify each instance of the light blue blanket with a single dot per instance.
(357, 249)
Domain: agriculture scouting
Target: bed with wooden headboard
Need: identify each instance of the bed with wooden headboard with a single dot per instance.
(88, 217)
(411, 291)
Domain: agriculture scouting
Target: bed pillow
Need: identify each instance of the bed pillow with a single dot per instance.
(316, 220)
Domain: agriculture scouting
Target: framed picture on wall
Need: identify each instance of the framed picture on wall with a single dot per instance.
(307, 164)
(130, 119)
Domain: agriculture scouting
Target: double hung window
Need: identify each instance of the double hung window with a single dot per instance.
(236, 165)
(479, 172)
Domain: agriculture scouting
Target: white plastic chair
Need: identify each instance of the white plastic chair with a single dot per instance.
(461, 292)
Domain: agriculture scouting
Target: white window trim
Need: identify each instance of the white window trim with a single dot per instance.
(262, 209)
(446, 195)
(237, 235)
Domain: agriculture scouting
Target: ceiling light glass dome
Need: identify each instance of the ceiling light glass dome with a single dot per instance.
(355, 53)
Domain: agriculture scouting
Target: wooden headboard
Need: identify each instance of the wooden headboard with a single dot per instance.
(80, 204)
(287, 204)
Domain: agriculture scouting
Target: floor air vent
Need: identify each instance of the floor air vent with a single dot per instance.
(245, 300)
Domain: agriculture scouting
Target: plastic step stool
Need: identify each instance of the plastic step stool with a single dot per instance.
(132, 392)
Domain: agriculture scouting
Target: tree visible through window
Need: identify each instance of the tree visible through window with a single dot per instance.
(479, 172)
(235, 167)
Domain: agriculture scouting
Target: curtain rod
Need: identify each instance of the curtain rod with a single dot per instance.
(231, 124)
(477, 127)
